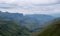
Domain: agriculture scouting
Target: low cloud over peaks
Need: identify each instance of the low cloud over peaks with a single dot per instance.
(31, 6)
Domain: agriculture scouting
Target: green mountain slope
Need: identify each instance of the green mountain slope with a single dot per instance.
(51, 30)
(10, 28)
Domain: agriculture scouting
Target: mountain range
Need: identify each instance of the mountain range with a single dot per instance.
(55, 15)
(32, 22)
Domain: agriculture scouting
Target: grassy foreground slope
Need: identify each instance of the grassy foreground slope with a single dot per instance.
(53, 29)
(10, 28)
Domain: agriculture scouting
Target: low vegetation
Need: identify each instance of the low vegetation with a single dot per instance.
(10, 28)
(53, 29)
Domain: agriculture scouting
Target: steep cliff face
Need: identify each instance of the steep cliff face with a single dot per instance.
(17, 17)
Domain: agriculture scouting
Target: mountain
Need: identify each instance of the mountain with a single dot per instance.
(10, 28)
(41, 17)
(37, 21)
(55, 15)
(15, 16)
(53, 29)
(33, 22)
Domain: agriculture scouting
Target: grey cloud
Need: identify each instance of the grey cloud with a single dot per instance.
(7, 6)
(46, 4)
(31, 8)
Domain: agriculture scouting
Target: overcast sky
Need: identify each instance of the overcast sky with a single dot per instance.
(31, 6)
